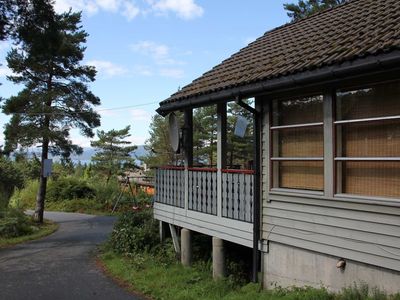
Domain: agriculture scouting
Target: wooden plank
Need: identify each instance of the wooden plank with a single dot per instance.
(233, 233)
(249, 197)
(329, 181)
(354, 203)
(235, 188)
(204, 230)
(190, 190)
(175, 239)
(175, 212)
(209, 197)
(242, 197)
(339, 242)
(338, 212)
(224, 211)
(334, 221)
(346, 233)
(216, 203)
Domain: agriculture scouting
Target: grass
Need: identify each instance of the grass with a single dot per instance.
(159, 277)
(40, 231)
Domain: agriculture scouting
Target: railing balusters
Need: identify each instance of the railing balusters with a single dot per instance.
(237, 191)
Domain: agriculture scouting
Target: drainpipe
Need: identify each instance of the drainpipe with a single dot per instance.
(257, 184)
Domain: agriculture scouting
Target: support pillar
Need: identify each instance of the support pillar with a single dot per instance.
(162, 231)
(186, 247)
(218, 258)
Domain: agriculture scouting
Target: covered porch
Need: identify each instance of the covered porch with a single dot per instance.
(219, 201)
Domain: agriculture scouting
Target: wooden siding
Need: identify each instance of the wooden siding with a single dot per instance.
(227, 229)
(362, 230)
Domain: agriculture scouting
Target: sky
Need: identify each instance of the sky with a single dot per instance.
(145, 50)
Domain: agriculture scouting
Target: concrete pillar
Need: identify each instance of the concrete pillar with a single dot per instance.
(186, 247)
(218, 258)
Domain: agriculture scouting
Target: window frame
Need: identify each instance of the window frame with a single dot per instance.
(274, 147)
(337, 141)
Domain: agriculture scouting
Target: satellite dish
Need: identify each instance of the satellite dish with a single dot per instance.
(174, 132)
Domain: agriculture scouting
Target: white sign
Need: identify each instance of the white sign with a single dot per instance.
(47, 164)
(241, 126)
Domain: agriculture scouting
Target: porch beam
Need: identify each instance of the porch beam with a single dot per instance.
(187, 149)
(221, 152)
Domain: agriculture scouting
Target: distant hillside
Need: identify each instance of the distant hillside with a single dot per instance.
(88, 152)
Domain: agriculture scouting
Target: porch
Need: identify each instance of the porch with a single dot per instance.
(215, 202)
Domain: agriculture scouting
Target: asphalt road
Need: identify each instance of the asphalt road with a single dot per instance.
(62, 265)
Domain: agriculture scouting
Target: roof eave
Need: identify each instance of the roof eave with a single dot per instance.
(384, 61)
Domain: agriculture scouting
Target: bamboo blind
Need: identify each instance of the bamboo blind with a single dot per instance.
(372, 178)
(305, 175)
(370, 139)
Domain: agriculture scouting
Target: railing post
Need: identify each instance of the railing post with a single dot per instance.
(221, 152)
(188, 150)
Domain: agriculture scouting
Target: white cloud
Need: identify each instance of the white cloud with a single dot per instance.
(152, 49)
(185, 9)
(143, 70)
(130, 11)
(107, 69)
(126, 8)
(172, 73)
(4, 71)
(160, 53)
(141, 115)
(137, 140)
(4, 45)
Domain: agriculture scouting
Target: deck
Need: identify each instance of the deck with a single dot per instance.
(214, 202)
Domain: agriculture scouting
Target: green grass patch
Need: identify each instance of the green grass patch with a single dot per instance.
(38, 231)
(162, 277)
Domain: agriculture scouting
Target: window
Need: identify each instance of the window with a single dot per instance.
(298, 144)
(368, 141)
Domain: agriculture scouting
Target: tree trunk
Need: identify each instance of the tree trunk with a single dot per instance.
(41, 194)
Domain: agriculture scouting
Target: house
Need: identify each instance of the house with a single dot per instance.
(322, 205)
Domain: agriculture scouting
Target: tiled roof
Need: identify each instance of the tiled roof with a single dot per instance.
(356, 29)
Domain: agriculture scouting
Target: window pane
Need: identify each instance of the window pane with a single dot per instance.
(305, 175)
(378, 101)
(370, 178)
(300, 142)
(370, 139)
(298, 111)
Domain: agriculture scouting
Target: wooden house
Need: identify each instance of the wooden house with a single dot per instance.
(322, 205)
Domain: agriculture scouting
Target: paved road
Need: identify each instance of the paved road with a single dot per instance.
(60, 266)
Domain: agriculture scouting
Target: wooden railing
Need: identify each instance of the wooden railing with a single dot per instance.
(202, 191)
(170, 186)
(237, 194)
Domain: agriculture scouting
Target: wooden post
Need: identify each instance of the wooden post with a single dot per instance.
(188, 150)
(221, 152)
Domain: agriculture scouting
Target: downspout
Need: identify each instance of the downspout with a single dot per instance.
(257, 185)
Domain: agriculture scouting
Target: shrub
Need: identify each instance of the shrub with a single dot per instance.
(10, 179)
(25, 198)
(68, 188)
(135, 232)
(14, 223)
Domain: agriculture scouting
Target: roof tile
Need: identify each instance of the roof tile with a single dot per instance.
(355, 29)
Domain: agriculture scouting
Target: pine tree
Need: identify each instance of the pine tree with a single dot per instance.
(158, 146)
(55, 97)
(306, 8)
(113, 151)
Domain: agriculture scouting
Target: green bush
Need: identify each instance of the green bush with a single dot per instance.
(14, 223)
(68, 188)
(25, 198)
(10, 178)
(134, 232)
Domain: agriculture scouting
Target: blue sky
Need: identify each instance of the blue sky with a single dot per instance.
(144, 50)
